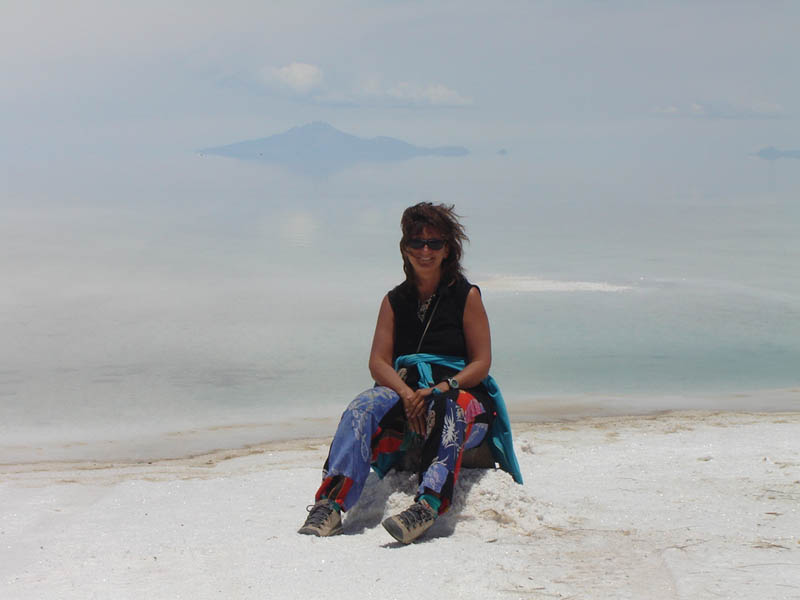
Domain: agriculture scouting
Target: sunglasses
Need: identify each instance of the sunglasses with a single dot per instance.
(433, 244)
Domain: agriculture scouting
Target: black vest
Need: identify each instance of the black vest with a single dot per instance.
(446, 332)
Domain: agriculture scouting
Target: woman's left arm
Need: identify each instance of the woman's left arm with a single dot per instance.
(479, 343)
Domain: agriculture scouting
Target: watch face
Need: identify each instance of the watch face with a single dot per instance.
(453, 383)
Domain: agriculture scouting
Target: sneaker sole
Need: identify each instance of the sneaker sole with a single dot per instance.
(399, 533)
(395, 530)
(313, 531)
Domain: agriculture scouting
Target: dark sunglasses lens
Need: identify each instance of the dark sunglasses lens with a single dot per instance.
(418, 244)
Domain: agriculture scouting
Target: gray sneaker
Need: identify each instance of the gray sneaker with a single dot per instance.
(323, 520)
(411, 523)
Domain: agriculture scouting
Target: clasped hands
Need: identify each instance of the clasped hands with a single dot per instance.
(415, 403)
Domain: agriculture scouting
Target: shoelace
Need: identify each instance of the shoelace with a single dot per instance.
(416, 514)
(318, 513)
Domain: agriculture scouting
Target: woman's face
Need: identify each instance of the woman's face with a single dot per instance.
(424, 260)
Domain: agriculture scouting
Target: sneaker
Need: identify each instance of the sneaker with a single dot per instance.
(323, 520)
(411, 523)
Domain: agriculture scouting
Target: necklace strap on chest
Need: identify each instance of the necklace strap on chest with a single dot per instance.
(428, 324)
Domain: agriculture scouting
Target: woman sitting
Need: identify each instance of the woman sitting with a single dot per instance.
(434, 326)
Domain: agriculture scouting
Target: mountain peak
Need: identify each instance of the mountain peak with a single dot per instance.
(320, 148)
(315, 126)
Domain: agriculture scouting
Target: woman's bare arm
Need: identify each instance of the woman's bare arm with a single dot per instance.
(479, 342)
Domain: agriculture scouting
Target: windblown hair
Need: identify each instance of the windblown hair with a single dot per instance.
(444, 220)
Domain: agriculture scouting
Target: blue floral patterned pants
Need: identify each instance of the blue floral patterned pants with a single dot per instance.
(372, 432)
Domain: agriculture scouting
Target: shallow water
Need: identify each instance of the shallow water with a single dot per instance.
(129, 321)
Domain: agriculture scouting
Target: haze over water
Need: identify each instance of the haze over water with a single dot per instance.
(631, 259)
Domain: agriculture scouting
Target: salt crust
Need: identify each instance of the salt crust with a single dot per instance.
(521, 283)
(684, 505)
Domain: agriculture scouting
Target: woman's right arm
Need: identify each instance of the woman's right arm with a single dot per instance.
(382, 369)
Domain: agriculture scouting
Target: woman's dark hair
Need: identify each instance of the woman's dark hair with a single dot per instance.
(442, 218)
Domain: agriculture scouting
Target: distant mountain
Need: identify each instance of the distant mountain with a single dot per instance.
(772, 153)
(321, 148)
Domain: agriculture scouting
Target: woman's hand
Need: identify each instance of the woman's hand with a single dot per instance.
(415, 404)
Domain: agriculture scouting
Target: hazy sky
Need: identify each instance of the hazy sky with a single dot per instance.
(100, 76)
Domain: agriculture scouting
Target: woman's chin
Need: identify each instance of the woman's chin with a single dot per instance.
(428, 271)
(426, 263)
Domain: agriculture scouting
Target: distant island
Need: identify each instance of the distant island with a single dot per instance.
(772, 153)
(320, 148)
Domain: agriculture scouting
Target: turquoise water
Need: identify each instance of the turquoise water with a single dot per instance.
(155, 316)
(657, 338)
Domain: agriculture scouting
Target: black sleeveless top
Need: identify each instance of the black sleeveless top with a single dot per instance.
(446, 332)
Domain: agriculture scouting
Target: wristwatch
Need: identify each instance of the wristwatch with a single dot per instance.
(453, 383)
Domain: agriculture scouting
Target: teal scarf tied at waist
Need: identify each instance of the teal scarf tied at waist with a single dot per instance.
(501, 443)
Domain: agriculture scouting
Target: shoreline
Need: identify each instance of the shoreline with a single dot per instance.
(213, 457)
(135, 443)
